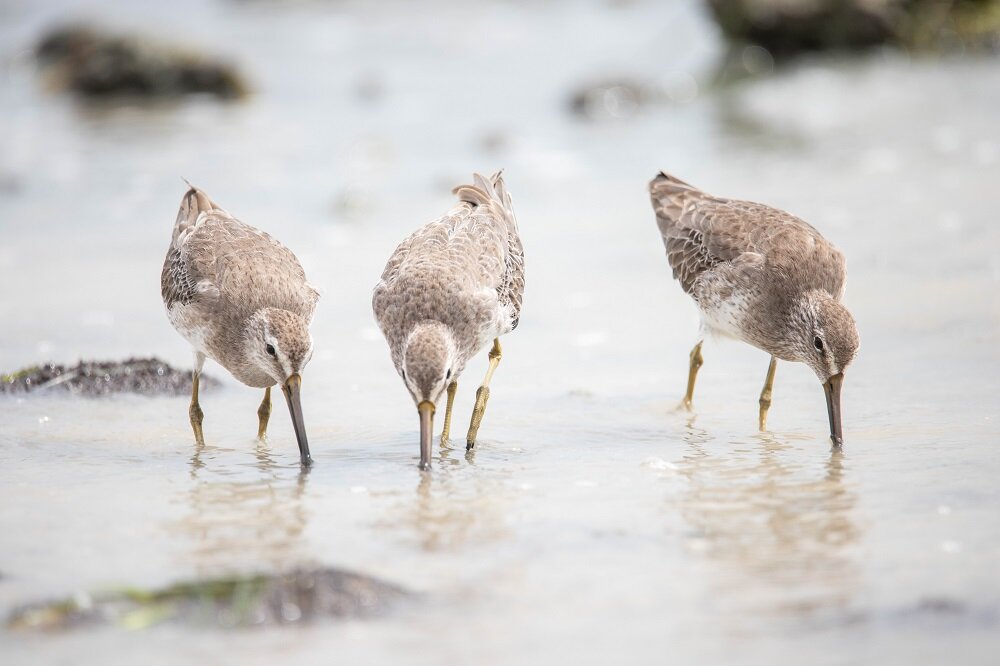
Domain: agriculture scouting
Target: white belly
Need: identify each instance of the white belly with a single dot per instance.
(192, 326)
(724, 315)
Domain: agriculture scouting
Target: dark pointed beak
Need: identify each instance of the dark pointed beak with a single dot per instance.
(832, 388)
(291, 389)
(426, 410)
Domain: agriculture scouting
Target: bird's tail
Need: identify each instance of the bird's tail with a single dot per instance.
(492, 193)
(194, 203)
(668, 195)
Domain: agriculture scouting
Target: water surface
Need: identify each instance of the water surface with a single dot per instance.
(594, 521)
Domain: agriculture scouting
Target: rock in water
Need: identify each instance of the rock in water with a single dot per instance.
(785, 28)
(95, 64)
(262, 600)
(788, 27)
(146, 376)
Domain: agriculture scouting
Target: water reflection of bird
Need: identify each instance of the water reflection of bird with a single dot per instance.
(240, 298)
(772, 524)
(245, 523)
(447, 290)
(456, 509)
(761, 276)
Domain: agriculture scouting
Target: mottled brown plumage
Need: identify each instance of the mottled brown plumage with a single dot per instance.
(757, 274)
(451, 287)
(240, 298)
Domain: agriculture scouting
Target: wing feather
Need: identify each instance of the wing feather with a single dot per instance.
(222, 258)
(701, 232)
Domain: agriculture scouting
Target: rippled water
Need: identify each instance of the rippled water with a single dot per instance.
(594, 521)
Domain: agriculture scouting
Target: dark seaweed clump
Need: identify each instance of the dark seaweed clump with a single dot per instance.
(260, 600)
(146, 376)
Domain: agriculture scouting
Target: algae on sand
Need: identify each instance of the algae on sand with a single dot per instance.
(238, 601)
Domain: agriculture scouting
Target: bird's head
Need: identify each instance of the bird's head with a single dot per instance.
(825, 337)
(428, 365)
(278, 344)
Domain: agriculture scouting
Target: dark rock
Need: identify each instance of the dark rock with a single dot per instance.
(260, 600)
(147, 376)
(95, 64)
(786, 28)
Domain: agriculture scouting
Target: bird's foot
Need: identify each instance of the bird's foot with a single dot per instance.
(197, 418)
(685, 406)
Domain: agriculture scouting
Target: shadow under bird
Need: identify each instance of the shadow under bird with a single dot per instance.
(763, 276)
(447, 290)
(240, 298)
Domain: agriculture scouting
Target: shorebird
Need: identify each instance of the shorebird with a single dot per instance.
(447, 290)
(763, 276)
(241, 299)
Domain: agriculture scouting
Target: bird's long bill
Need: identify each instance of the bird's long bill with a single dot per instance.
(426, 410)
(832, 388)
(291, 388)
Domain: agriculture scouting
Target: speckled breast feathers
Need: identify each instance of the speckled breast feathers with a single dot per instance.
(464, 270)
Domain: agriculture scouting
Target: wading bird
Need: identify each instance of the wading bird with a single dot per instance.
(447, 290)
(241, 299)
(762, 276)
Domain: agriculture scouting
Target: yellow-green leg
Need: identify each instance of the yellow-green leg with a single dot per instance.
(264, 414)
(765, 394)
(696, 363)
(483, 395)
(446, 430)
(194, 411)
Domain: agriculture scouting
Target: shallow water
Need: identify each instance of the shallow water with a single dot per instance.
(594, 521)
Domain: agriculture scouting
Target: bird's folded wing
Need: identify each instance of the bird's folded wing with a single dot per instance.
(703, 235)
(226, 259)
(711, 231)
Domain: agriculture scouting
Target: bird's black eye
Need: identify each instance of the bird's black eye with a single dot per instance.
(817, 343)
(448, 374)
(269, 348)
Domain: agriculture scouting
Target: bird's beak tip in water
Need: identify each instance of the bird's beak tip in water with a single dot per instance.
(832, 388)
(292, 388)
(426, 411)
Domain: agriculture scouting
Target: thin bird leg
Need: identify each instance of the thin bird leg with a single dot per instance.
(483, 394)
(446, 430)
(696, 363)
(264, 413)
(194, 411)
(765, 394)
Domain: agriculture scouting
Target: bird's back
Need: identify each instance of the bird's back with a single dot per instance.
(223, 266)
(464, 269)
(702, 232)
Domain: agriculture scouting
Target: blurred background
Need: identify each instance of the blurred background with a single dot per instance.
(594, 522)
